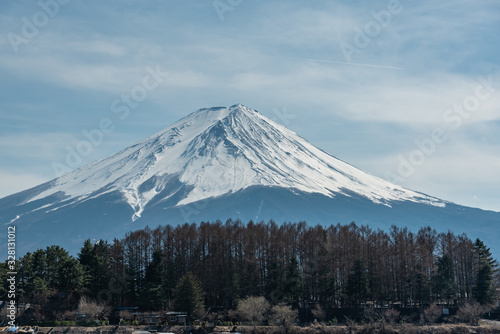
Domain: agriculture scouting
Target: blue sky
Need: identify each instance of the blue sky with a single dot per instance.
(405, 90)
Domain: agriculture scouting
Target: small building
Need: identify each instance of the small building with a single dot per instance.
(150, 319)
(176, 318)
(80, 316)
(126, 312)
(123, 313)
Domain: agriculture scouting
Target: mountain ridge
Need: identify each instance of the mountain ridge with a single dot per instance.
(209, 154)
(221, 129)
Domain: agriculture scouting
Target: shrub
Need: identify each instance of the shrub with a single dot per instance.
(432, 313)
(319, 313)
(253, 309)
(391, 315)
(286, 316)
(471, 313)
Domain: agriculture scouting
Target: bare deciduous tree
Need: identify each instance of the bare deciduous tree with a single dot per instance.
(471, 312)
(92, 309)
(285, 315)
(253, 309)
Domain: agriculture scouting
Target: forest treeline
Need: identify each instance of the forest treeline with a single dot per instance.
(335, 266)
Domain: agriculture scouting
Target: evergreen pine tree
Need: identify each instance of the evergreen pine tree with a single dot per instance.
(189, 295)
(293, 287)
(94, 259)
(155, 296)
(358, 283)
(85, 257)
(445, 278)
(484, 291)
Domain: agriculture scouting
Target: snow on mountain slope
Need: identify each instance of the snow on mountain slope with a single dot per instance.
(218, 151)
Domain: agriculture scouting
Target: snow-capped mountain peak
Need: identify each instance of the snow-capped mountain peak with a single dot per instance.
(218, 151)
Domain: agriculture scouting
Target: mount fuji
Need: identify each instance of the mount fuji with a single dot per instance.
(220, 163)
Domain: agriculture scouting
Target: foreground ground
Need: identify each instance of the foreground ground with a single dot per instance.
(485, 327)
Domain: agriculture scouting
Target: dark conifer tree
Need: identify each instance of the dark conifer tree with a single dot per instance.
(358, 285)
(154, 294)
(293, 288)
(484, 291)
(445, 279)
(189, 295)
(94, 259)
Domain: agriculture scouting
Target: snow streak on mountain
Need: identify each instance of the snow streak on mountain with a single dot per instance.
(220, 163)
